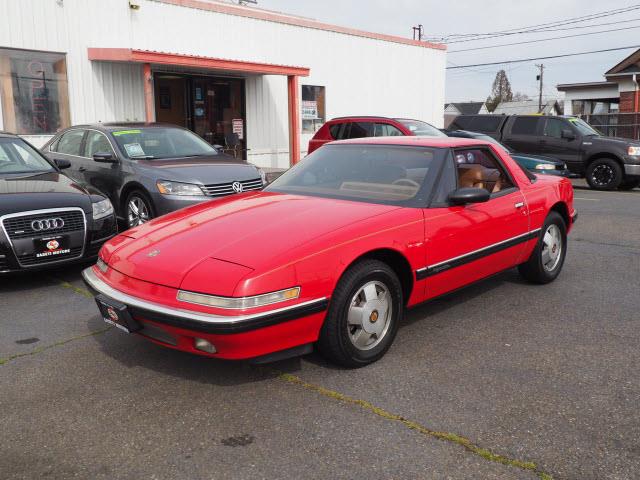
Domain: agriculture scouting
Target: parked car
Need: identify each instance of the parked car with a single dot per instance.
(537, 164)
(342, 128)
(46, 218)
(150, 169)
(333, 251)
(607, 163)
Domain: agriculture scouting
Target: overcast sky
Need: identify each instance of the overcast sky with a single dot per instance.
(396, 17)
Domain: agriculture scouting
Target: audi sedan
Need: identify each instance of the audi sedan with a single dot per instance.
(333, 252)
(149, 169)
(46, 219)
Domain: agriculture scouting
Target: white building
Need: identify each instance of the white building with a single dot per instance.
(228, 72)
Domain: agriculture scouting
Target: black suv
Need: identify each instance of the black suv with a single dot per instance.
(150, 169)
(46, 218)
(606, 162)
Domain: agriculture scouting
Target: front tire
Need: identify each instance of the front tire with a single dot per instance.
(604, 174)
(138, 209)
(547, 258)
(365, 311)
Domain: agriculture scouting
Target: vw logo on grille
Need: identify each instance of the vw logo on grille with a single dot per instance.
(47, 224)
(237, 187)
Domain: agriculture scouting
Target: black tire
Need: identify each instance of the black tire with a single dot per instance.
(141, 198)
(629, 184)
(534, 269)
(604, 174)
(335, 342)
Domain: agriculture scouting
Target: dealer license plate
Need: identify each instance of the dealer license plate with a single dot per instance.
(51, 246)
(116, 314)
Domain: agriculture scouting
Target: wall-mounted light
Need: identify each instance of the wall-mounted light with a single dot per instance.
(134, 6)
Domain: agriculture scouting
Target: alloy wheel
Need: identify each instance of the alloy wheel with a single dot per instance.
(603, 175)
(369, 315)
(137, 212)
(551, 248)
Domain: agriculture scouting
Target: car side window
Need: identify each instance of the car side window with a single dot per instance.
(554, 127)
(96, 142)
(525, 126)
(337, 130)
(70, 143)
(478, 168)
(361, 129)
(386, 130)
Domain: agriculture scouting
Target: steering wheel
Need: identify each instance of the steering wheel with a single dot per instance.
(406, 181)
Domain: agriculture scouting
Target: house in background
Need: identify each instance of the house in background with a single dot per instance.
(528, 107)
(452, 110)
(612, 106)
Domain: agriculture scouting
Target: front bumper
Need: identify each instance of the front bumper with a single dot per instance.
(632, 170)
(234, 336)
(170, 203)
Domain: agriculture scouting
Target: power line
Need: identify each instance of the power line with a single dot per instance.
(505, 62)
(547, 39)
(541, 27)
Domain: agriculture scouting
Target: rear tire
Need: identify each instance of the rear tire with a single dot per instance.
(545, 263)
(604, 174)
(365, 311)
(629, 184)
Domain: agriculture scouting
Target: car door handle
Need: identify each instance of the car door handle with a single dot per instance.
(519, 205)
(82, 169)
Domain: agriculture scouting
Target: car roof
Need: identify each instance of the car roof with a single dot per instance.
(114, 126)
(435, 142)
(7, 134)
(373, 117)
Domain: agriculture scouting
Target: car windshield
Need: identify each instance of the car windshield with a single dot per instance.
(17, 156)
(583, 127)
(396, 175)
(161, 142)
(421, 129)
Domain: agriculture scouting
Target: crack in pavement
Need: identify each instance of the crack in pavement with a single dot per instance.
(38, 350)
(444, 436)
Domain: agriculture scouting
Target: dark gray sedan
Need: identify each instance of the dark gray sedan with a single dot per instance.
(150, 169)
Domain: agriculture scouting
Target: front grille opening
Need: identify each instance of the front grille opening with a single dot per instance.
(222, 189)
(20, 227)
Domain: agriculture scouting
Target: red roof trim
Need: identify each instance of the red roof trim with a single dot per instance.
(192, 61)
(297, 21)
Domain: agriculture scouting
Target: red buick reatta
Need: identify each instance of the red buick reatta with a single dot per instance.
(332, 253)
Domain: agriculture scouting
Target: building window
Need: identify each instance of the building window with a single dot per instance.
(313, 108)
(33, 87)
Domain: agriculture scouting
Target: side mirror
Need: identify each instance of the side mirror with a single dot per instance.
(61, 163)
(104, 157)
(568, 134)
(219, 148)
(462, 196)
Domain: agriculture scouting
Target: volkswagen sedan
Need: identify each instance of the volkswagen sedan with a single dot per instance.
(334, 251)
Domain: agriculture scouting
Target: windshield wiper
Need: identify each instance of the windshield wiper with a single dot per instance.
(143, 157)
(35, 174)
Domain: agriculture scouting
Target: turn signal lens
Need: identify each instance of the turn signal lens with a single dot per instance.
(239, 303)
(635, 151)
(545, 166)
(102, 265)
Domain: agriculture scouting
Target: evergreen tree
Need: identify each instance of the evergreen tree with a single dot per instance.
(500, 91)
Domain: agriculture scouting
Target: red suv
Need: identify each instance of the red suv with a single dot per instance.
(356, 127)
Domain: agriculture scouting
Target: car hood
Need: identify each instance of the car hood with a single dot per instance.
(206, 170)
(21, 192)
(537, 158)
(259, 231)
(602, 140)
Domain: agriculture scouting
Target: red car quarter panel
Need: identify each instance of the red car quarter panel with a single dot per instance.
(334, 250)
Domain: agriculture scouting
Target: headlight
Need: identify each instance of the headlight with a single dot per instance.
(545, 166)
(633, 151)
(238, 303)
(177, 188)
(102, 209)
(263, 176)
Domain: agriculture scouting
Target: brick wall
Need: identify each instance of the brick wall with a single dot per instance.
(627, 102)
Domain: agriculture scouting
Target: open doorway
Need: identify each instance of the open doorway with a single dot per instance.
(212, 107)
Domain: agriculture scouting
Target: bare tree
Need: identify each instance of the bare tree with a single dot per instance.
(520, 97)
(500, 91)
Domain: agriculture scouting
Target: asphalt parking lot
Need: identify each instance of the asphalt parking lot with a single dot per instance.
(503, 380)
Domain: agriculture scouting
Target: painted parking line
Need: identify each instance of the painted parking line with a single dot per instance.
(443, 436)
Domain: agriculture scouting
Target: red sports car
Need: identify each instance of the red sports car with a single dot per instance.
(334, 251)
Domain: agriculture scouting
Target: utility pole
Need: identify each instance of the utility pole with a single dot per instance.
(539, 78)
(418, 32)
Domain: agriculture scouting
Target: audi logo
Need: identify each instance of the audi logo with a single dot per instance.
(47, 224)
(237, 187)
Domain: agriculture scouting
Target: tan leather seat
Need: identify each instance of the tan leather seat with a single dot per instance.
(477, 176)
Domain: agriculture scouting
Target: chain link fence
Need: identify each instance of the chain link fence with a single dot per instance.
(625, 125)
